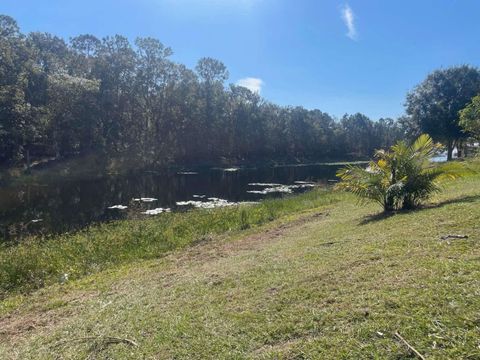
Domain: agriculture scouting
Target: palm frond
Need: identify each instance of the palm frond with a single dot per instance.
(402, 177)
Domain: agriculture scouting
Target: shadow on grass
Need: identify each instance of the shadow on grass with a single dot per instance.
(385, 215)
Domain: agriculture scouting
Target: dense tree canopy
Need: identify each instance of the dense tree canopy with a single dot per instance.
(434, 104)
(111, 97)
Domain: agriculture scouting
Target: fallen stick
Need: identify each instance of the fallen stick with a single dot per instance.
(115, 340)
(453, 236)
(105, 339)
(409, 346)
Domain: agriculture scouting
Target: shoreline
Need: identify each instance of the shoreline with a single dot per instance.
(76, 168)
(313, 274)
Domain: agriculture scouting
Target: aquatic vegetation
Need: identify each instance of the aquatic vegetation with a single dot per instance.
(156, 211)
(186, 203)
(119, 207)
(279, 188)
(211, 204)
(265, 184)
(302, 186)
(200, 196)
(145, 199)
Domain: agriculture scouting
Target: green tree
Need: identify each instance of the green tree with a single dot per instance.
(74, 126)
(50, 54)
(435, 103)
(243, 130)
(359, 134)
(470, 117)
(121, 117)
(154, 79)
(18, 124)
(85, 49)
(212, 74)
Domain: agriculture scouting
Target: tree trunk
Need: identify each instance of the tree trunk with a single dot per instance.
(449, 150)
(29, 164)
(460, 146)
(459, 152)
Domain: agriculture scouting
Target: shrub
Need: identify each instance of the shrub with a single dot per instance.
(401, 178)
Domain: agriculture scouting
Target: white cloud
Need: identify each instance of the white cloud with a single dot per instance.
(253, 84)
(348, 18)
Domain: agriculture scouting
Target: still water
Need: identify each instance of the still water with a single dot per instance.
(68, 204)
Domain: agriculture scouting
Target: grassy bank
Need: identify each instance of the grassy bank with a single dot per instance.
(38, 261)
(327, 279)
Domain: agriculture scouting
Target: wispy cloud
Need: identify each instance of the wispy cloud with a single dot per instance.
(253, 84)
(348, 18)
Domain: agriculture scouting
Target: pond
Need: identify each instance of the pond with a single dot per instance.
(68, 204)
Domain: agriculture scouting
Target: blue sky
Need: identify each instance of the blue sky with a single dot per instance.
(339, 57)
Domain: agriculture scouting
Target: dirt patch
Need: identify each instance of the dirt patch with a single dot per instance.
(282, 347)
(211, 249)
(14, 325)
(17, 324)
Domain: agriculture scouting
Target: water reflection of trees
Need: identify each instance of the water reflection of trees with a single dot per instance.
(73, 204)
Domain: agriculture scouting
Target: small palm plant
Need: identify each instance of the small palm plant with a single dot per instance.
(401, 178)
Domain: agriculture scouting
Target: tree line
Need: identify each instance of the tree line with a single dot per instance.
(108, 96)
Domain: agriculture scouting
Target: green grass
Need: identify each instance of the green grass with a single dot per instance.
(37, 261)
(326, 280)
